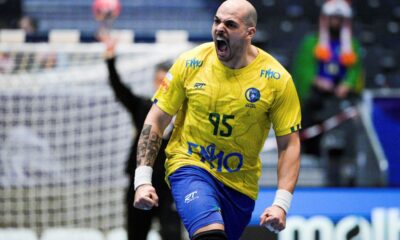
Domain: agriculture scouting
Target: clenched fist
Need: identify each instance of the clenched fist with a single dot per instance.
(273, 218)
(145, 197)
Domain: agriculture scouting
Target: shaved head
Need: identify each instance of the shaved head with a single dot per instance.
(233, 30)
(245, 8)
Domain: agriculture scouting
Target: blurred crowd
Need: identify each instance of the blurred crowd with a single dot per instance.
(333, 50)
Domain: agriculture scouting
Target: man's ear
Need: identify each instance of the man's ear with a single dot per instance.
(251, 32)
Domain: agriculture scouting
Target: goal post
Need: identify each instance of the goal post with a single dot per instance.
(64, 138)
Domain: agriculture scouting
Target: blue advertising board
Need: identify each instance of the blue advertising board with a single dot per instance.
(336, 214)
(386, 121)
(334, 203)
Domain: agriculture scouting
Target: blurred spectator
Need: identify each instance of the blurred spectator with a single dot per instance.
(48, 60)
(328, 72)
(6, 63)
(28, 24)
(139, 221)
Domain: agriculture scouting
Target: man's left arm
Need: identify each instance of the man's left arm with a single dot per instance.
(289, 161)
(285, 115)
(274, 217)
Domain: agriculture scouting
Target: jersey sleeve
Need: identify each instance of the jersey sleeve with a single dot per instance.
(171, 93)
(285, 113)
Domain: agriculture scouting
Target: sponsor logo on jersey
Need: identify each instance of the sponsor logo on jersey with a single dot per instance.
(199, 85)
(228, 162)
(250, 105)
(193, 63)
(270, 74)
(252, 95)
(191, 196)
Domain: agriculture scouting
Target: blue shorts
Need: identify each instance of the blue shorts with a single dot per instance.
(202, 200)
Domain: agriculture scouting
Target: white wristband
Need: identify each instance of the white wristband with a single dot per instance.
(283, 199)
(143, 175)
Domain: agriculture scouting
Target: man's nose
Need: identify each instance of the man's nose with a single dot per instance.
(219, 28)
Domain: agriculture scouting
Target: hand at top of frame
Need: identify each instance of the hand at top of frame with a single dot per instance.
(109, 43)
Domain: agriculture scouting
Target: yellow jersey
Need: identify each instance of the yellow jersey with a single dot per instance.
(224, 115)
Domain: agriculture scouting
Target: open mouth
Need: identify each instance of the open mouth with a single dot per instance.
(222, 46)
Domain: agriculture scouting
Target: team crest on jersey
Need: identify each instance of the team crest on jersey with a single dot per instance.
(252, 95)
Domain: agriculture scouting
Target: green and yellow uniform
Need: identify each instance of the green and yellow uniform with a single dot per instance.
(224, 115)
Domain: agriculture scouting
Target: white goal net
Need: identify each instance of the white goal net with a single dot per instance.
(64, 138)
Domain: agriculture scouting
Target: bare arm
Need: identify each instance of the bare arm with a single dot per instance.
(151, 136)
(148, 147)
(274, 217)
(289, 161)
(136, 105)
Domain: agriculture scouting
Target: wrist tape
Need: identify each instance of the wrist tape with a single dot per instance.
(283, 198)
(143, 176)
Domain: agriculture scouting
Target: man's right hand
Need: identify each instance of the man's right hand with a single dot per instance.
(145, 197)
